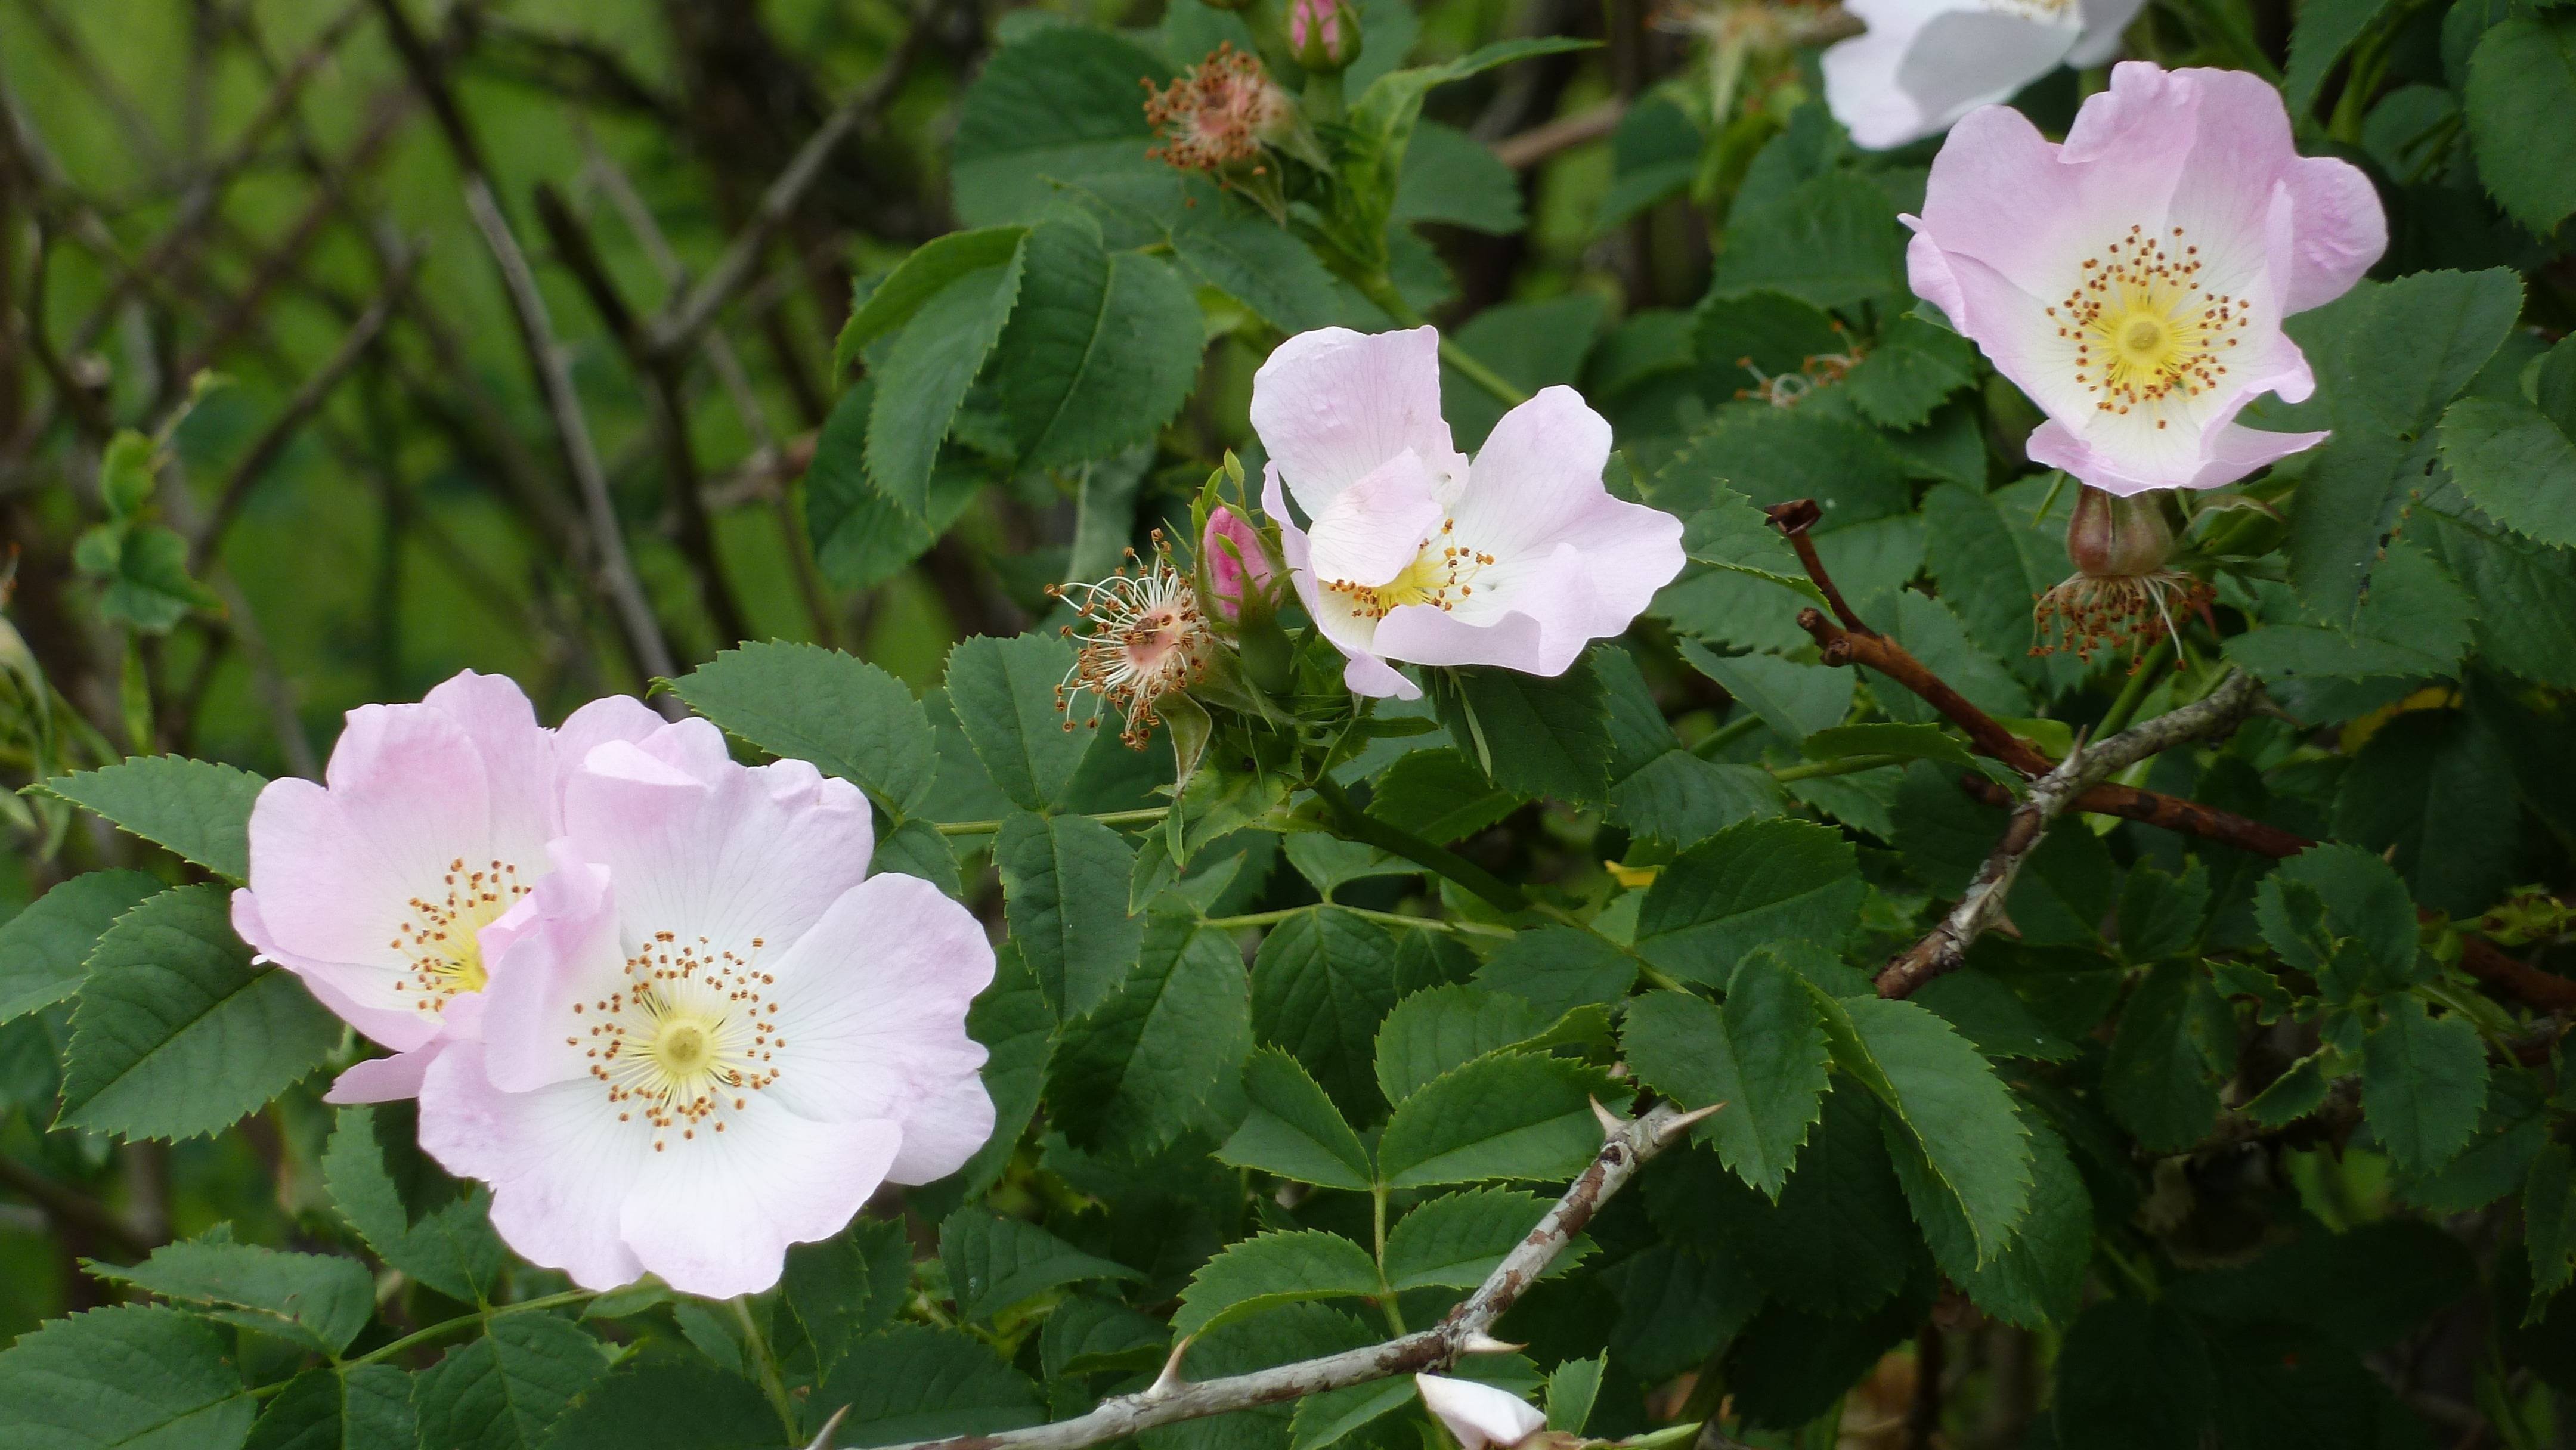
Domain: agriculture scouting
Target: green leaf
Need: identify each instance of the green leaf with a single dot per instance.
(2522, 89)
(1913, 742)
(1060, 104)
(2549, 1227)
(1100, 352)
(2423, 1084)
(804, 702)
(2514, 463)
(1084, 1335)
(2429, 787)
(1003, 691)
(133, 1378)
(1282, 1336)
(2158, 1080)
(362, 1407)
(1840, 1242)
(145, 568)
(1931, 633)
(1755, 882)
(1506, 1115)
(1321, 984)
(177, 1033)
(2161, 916)
(1293, 1130)
(919, 277)
(1334, 1416)
(1271, 1270)
(995, 1262)
(1961, 1116)
(1250, 258)
(196, 808)
(1017, 1027)
(1992, 557)
(922, 381)
(848, 1286)
(449, 1247)
(1448, 1026)
(1065, 878)
(1989, 1014)
(1450, 176)
(2525, 594)
(1653, 155)
(917, 848)
(1794, 700)
(916, 1383)
(2037, 1279)
(664, 1399)
(2417, 621)
(861, 537)
(1913, 367)
(1534, 345)
(1571, 1388)
(506, 1390)
(1456, 1240)
(1762, 1054)
(43, 948)
(1831, 241)
(1439, 795)
(1164, 1055)
(2134, 1375)
(312, 1299)
(2324, 30)
(2357, 896)
(1560, 968)
(1544, 736)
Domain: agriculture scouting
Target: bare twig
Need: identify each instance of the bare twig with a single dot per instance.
(73, 1209)
(1546, 141)
(1946, 946)
(1167, 1402)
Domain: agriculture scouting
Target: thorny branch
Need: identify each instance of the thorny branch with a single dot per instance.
(1170, 1399)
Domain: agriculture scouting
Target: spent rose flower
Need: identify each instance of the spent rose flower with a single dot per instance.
(710, 1032)
(1141, 638)
(1482, 1416)
(1923, 64)
(432, 820)
(1220, 115)
(1413, 553)
(2132, 281)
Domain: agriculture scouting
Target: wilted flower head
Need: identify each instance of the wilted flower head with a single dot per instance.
(1220, 114)
(1141, 637)
(2121, 596)
(1481, 1416)
(376, 886)
(1233, 559)
(1323, 35)
(710, 1032)
(1413, 553)
(1923, 64)
(2133, 280)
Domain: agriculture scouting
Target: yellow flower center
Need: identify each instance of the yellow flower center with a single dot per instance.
(1440, 575)
(440, 939)
(2145, 330)
(687, 1039)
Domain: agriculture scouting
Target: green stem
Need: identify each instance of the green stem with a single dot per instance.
(771, 1384)
(1386, 1291)
(1847, 765)
(423, 1336)
(1139, 817)
(2134, 693)
(1471, 367)
(1368, 830)
(1727, 734)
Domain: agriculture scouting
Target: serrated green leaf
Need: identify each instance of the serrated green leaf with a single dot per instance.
(1284, 1335)
(923, 379)
(1293, 1130)
(196, 808)
(2423, 1084)
(2158, 1080)
(1830, 241)
(177, 1033)
(1335, 1416)
(1840, 1242)
(1507, 1115)
(913, 1382)
(1084, 1335)
(1101, 349)
(1571, 1388)
(1321, 984)
(449, 1247)
(1003, 692)
(506, 1390)
(135, 1378)
(2161, 915)
(1762, 1054)
(848, 1286)
(2522, 88)
(1011, 1018)
(1456, 1240)
(1444, 1027)
(2549, 1227)
(1911, 369)
(1058, 105)
(1253, 260)
(803, 702)
(1544, 736)
(43, 948)
(1271, 1270)
(2297, 1092)
(918, 278)
(2036, 1280)
(2417, 791)
(1164, 1054)
(2515, 464)
(1991, 1015)
(361, 1407)
(312, 1299)
(1913, 742)
(1755, 882)
(1560, 968)
(2358, 897)
(666, 1399)
(995, 1262)
(1794, 700)
(1065, 878)
(1959, 1113)
(861, 537)
(2325, 29)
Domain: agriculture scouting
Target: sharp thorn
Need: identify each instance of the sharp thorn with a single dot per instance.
(1682, 1122)
(1482, 1343)
(823, 1440)
(1169, 1381)
(1611, 1126)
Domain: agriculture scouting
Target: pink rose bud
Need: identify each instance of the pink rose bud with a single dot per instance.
(1235, 560)
(1323, 35)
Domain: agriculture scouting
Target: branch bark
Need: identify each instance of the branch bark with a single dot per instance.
(1168, 1401)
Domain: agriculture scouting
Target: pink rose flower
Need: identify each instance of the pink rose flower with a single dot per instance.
(2133, 280)
(710, 1033)
(1925, 63)
(375, 887)
(1482, 1416)
(1413, 553)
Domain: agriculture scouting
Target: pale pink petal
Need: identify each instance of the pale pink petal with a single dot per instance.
(525, 809)
(2000, 193)
(1373, 530)
(2104, 20)
(1968, 57)
(1334, 405)
(1482, 1416)
(1511, 638)
(1539, 472)
(1365, 674)
(877, 992)
(1860, 75)
(611, 717)
(700, 847)
(2342, 230)
(385, 1079)
(2222, 456)
(560, 1167)
(714, 1215)
(559, 952)
(942, 1131)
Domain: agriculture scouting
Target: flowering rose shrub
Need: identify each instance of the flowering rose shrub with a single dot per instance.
(1826, 726)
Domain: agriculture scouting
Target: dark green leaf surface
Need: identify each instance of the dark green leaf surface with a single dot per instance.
(317, 1301)
(134, 1378)
(196, 808)
(506, 1390)
(45, 947)
(848, 717)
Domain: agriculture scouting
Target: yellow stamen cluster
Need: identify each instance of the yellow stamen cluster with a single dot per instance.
(439, 937)
(2144, 328)
(1442, 570)
(687, 1039)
